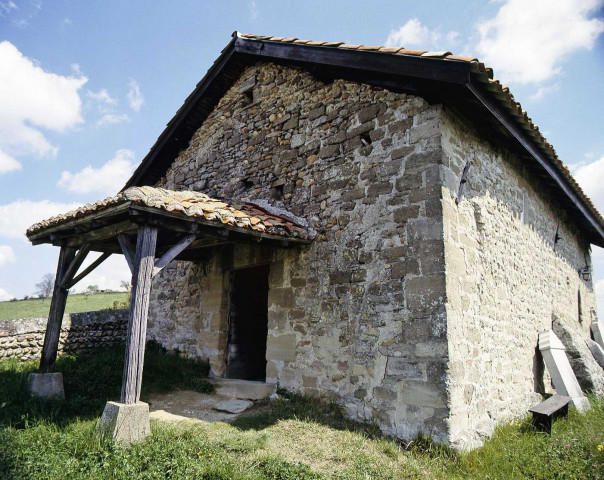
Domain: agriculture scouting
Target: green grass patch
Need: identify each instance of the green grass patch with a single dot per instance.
(90, 380)
(80, 302)
(294, 437)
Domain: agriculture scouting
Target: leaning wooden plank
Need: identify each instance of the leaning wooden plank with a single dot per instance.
(55, 316)
(88, 269)
(139, 309)
(126, 247)
(172, 253)
(73, 267)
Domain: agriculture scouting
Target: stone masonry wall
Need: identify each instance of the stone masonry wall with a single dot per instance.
(359, 315)
(80, 332)
(505, 282)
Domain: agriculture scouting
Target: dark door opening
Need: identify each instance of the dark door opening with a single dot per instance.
(248, 324)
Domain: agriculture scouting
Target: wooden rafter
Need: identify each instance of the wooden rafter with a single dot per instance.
(127, 250)
(171, 254)
(73, 267)
(88, 269)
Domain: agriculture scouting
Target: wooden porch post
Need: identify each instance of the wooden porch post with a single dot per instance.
(139, 309)
(55, 316)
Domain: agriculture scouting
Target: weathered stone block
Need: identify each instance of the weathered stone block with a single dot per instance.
(422, 394)
(401, 215)
(281, 347)
(125, 423)
(283, 297)
(48, 386)
(425, 292)
(425, 229)
(405, 267)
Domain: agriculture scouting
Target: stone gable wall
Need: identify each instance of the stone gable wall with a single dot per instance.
(505, 282)
(80, 332)
(359, 314)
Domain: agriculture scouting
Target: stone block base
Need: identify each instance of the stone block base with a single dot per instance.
(126, 423)
(46, 385)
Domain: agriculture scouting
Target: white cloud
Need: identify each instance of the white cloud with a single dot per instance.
(7, 255)
(8, 163)
(6, 7)
(600, 297)
(31, 98)
(102, 96)
(5, 296)
(414, 34)
(106, 276)
(105, 180)
(253, 10)
(544, 90)
(135, 97)
(18, 216)
(591, 178)
(77, 69)
(111, 118)
(526, 42)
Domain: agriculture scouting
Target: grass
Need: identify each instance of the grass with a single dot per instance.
(293, 437)
(80, 302)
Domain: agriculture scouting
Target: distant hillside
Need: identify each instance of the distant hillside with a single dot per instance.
(38, 307)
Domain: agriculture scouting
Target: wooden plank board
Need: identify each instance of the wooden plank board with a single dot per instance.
(103, 233)
(551, 405)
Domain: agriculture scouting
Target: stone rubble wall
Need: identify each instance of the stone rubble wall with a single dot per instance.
(505, 282)
(80, 332)
(359, 315)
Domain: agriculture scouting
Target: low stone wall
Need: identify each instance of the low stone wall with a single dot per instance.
(81, 332)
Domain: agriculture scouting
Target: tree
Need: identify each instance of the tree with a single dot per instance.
(92, 289)
(46, 285)
(124, 284)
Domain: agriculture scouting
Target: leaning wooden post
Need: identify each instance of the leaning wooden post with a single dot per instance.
(45, 383)
(128, 421)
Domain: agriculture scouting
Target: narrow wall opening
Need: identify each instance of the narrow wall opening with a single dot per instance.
(248, 324)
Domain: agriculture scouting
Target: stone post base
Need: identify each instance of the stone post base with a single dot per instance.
(46, 385)
(126, 423)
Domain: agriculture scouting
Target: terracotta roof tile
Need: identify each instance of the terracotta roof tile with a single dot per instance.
(462, 58)
(406, 51)
(436, 54)
(190, 204)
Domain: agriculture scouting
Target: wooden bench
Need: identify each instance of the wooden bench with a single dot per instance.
(546, 412)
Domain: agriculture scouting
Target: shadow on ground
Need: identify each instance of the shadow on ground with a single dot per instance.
(90, 380)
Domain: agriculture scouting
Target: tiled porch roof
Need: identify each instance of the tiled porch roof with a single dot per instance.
(189, 204)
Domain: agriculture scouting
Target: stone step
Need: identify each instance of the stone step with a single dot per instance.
(243, 389)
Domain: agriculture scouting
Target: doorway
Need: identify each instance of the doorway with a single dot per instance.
(248, 324)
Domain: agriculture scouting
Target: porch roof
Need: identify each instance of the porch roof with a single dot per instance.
(213, 221)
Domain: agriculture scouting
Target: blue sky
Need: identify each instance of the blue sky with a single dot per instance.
(87, 87)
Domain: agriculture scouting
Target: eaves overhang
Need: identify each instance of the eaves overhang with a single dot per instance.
(439, 77)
